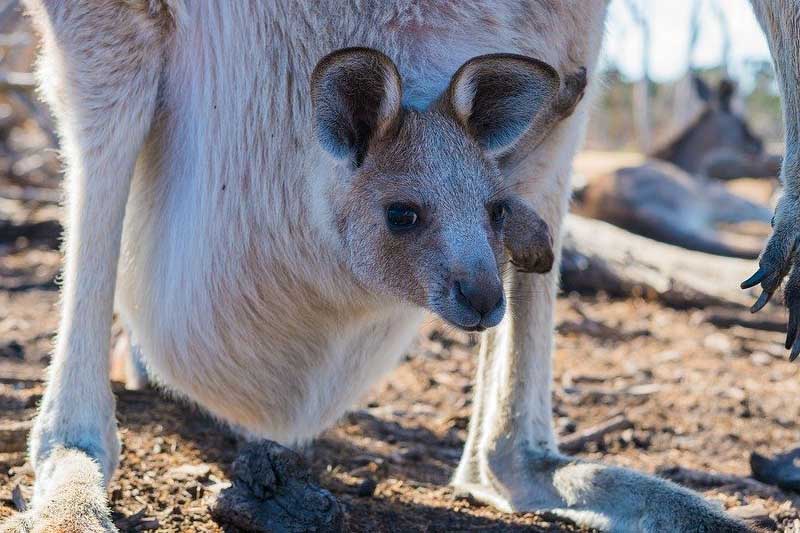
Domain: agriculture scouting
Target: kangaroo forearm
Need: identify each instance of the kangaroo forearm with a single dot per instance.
(780, 20)
(110, 89)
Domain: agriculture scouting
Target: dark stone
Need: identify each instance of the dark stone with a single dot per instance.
(780, 470)
(366, 488)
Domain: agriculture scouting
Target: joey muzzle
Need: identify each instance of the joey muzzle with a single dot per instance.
(527, 238)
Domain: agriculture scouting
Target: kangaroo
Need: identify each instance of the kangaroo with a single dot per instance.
(676, 197)
(270, 220)
(660, 201)
(719, 143)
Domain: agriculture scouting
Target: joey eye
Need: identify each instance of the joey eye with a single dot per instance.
(498, 212)
(401, 217)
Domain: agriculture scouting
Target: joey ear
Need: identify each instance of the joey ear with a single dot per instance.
(356, 96)
(527, 238)
(496, 97)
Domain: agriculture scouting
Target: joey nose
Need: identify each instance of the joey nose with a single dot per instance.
(483, 293)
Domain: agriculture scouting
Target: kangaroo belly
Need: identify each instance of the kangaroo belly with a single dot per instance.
(284, 372)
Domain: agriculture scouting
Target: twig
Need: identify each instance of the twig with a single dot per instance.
(25, 99)
(578, 442)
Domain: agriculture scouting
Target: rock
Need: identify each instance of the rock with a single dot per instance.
(366, 488)
(189, 472)
(272, 492)
(718, 342)
(780, 470)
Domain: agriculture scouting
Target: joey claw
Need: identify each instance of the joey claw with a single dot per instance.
(521, 268)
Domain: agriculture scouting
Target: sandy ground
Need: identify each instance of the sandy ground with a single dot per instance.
(699, 400)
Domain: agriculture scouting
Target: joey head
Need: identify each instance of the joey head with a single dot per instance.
(421, 207)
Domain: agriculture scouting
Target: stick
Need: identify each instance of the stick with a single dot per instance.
(578, 442)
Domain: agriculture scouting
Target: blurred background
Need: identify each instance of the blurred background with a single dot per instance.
(658, 364)
(651, 52)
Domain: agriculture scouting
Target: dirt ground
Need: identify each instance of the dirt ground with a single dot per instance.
(698, 401)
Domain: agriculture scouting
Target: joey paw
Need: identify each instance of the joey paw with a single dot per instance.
(527, 238)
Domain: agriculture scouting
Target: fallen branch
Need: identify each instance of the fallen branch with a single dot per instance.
(599, 257)
(579, 441)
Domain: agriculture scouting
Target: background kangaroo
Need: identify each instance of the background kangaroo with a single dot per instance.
(719, 143)
(194, 172)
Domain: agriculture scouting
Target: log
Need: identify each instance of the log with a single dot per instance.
(599, 257)
(31, 194)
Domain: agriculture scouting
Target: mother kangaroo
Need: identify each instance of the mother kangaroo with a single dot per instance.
(271, 246)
